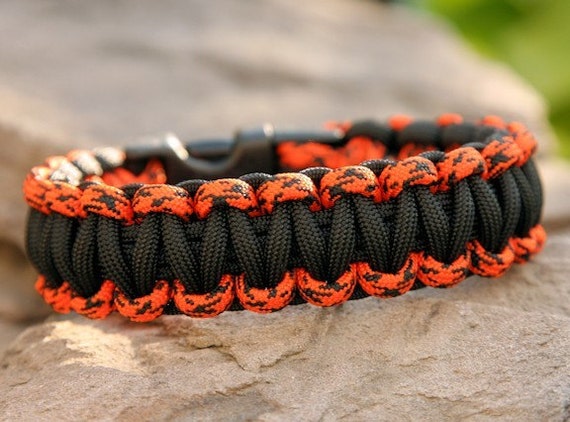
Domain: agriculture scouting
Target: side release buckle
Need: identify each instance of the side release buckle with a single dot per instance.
(250, 151)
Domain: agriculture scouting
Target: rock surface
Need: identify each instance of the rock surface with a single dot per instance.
(104, 72)
(412, 358)
(134, 68)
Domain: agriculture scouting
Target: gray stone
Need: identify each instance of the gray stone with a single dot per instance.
(411, 358)
(30, 130)
(486, 349)
(98, 73)
(142, 67)
(555, 175)
(9, 330)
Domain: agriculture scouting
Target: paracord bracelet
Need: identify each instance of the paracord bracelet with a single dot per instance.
(434, 203)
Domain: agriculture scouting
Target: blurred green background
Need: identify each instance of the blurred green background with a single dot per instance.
(533, 36)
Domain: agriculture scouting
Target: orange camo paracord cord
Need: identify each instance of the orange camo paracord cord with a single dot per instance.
(389, 208)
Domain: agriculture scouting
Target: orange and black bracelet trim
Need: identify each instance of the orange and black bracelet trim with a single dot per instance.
(362, 209)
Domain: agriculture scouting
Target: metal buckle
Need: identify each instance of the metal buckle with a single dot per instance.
(250, 151)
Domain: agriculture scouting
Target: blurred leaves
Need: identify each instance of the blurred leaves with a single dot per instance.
(533, 36)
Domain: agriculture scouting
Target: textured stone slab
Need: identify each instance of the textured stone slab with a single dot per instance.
(139, 67)
(486, 349)
(414, 358)
(556, 182)
(103, 72)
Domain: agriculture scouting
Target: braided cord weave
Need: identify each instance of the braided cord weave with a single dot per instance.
(396, 207)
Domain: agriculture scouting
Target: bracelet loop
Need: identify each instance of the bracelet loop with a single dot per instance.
(271, 218)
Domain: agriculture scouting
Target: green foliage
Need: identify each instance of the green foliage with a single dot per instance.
(533, 36)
